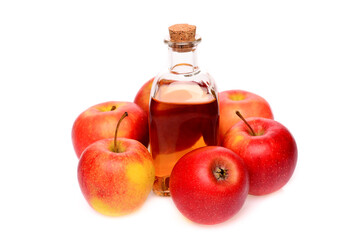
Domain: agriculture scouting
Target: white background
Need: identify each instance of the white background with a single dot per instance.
(58, 58)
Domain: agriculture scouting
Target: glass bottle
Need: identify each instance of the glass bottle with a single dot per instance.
(184, 112)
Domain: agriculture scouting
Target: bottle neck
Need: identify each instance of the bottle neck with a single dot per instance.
(182, 62)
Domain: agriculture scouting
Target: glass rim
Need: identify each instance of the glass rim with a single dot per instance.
(197, 40)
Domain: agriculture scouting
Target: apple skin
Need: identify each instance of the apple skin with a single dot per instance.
(270, 157)
(249, 104)
(142, 98)
(116, 184)
(99, 121)
(199, 195)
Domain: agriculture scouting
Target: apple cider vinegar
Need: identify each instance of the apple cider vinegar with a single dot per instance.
(184, 112)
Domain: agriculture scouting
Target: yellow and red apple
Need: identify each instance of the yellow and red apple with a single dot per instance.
(99, 121)
(116, 182)
(249, 104)
(142, 98)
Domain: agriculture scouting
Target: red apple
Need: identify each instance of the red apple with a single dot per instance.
(249, 104)
(99, 121)
(269, 152)
(142, 98)
(116, 179)
(209, 185)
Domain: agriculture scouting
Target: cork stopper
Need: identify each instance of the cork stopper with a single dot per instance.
(182, 33)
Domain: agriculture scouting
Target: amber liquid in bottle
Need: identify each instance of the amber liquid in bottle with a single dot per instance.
(184, 116)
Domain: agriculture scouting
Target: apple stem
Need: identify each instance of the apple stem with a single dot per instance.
(115, 147)
(244, 120)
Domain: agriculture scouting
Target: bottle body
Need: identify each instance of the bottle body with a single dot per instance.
(183, 112)
(184, 115)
